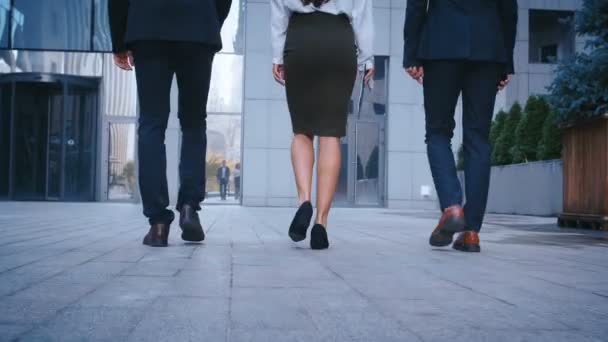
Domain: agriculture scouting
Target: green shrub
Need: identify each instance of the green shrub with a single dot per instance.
(460, 159)
(580, 88)
(506, 139)
(550, 144)
(497, 126)
(529, 130)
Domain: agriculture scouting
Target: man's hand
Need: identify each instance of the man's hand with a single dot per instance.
(124, 60)
(504, 82)
(416, 73)
(278, 72)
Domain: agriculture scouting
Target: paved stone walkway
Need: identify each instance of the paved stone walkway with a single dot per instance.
(78, 272)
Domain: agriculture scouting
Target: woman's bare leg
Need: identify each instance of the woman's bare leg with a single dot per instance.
(328, 171)
(302, 160)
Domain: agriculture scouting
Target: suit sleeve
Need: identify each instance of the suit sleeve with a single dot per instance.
(118, 12)
(223, 8)
(415, 16)
(508, 14)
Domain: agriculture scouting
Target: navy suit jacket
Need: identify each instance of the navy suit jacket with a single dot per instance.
(475, 30)
(198, 21)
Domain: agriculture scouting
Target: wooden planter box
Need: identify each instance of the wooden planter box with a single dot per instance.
(585, 157)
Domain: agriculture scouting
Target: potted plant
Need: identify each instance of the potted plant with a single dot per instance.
(579, 96)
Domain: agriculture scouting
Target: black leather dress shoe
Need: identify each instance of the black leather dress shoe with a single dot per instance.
(192, 230)
(157, 236)
(318, 237)
(301, 221)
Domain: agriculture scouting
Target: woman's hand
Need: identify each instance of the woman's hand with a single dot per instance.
(278, 72)
(369, 74)
(124, 60)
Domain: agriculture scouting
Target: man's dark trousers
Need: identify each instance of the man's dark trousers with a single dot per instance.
(223, 188)
(444, 81)
(156, 62)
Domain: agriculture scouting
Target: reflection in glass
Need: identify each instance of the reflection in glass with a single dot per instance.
(5, 136)
(102, 40)
(368, 167)
(361, 171)
(372, 99)
(35, 110)
(122, 173)
(55, 62)
(233, 31)
(79, 143)
(5, 6)
(226, 93)
(119, 89)
(341, 195)
(223, 143)
(53, 25)
(55, 145)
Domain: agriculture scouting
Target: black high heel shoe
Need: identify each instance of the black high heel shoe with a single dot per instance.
(301, 221)
(318, 237)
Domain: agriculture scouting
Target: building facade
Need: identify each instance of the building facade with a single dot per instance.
(68, 117)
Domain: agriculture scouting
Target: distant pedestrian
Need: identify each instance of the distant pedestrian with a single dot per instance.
(223, 177)
(237, 181)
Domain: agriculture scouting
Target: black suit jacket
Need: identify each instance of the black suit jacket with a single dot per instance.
(477, 30)
(196, 21)
(219, 174)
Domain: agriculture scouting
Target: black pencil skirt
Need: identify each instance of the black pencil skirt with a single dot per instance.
(320, 59)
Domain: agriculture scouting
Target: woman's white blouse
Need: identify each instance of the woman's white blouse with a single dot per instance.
(359, 12)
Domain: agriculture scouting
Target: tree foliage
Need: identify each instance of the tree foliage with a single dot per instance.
(506, 140)
(580, 88)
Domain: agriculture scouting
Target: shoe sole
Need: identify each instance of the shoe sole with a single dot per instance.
(155, 244)
(297, 226)
(192, 232)
(452, 226)
(468, 248)
(296, 237)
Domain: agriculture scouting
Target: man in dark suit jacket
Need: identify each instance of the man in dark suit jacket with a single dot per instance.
(223, 176)
(456, 47)
(167, 38)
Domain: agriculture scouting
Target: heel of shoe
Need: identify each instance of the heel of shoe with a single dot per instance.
(454, 225)
(301, 221)
(318, 237)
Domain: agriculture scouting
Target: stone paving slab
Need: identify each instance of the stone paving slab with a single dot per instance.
(78, 272)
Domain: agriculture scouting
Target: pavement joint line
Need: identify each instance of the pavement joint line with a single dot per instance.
(59, 274)
(369, 300)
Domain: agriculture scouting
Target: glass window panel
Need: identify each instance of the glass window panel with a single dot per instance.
(223, 143)
(122, 173)
(551, 35)
(233, 31)
(102, 40)
(226, 92)
(79, 140)
(52, 24)
(372, 99)
(368, 163)
(55, 62)
(5, 136)
(5, 6)
(119, 89)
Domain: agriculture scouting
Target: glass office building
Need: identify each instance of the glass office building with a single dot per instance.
(68, 115)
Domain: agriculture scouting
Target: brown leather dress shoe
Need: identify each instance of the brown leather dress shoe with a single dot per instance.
(451, 222)
(157, 236)
(467, 242)
(192, 230)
